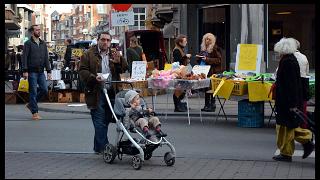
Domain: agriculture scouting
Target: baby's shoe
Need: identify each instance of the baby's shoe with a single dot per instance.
(146, 132)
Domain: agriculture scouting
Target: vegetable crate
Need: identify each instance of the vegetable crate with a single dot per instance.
(240, 87)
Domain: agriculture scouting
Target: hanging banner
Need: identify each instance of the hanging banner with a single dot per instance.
(61, 50)
(76, 52)
(259, 91)
(224, 89)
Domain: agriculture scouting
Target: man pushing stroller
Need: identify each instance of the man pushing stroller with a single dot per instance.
(143, 118)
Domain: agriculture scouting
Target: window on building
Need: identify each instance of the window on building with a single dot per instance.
(74, 32)
(80, 18)
(139, 18)
(101, 9)
(8, 6)
(74, 20)
(38, 19)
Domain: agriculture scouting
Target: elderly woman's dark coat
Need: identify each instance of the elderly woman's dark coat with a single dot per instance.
(288, 91)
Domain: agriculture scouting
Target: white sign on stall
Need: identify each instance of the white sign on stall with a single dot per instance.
(122, 18)
(248, 58)
(197, 69)
(55, 74)
(139, 70)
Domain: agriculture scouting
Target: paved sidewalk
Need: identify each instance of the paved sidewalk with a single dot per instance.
(91, 166)
(163, 104)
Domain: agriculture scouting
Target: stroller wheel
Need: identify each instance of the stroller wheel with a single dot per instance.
(136, 162)
(110, 153)
(169, 159)
(147, 156)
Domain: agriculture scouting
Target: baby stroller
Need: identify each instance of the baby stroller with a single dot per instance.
(140, 148)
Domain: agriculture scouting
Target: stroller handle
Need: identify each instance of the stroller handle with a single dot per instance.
(119, 82)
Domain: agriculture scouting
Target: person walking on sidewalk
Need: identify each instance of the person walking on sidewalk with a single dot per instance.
(212, 56)
(34, 59)
(304, 73)
(184, 59)
(99, 59)
(288, 98)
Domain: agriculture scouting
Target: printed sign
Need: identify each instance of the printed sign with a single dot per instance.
(122, 18)
(248, 58)
(76, 52)
(61, 50)
(139, 70)
(201, 69)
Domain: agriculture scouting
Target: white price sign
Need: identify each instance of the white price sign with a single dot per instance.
(201, 69)
(122, 18)
(139, 70)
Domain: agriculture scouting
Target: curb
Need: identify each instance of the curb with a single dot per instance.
(172, 114)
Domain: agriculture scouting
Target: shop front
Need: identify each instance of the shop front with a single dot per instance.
(263, 24)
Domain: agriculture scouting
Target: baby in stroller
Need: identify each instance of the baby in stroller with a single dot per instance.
(143, 118)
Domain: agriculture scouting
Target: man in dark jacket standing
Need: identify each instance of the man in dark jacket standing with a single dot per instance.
(67, 55)
(34, 60)
(289, 98)
(99, 59)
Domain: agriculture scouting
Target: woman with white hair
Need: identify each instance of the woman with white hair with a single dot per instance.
(288, 99)
(210, 54)
(304, 75)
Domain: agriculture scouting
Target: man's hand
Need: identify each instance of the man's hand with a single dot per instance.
(49, 76)
(25, 75)
(99, 78)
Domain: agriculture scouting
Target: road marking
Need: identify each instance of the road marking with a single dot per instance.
(296, 153)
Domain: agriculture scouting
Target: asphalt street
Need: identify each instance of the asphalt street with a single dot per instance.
(70, 135)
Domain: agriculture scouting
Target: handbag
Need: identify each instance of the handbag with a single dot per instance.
(23, 85)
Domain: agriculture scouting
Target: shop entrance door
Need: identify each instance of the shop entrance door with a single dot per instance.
(216, 20)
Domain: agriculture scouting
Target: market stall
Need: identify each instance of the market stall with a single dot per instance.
(178, 77)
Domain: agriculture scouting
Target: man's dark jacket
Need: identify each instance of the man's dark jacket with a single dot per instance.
(35, 57)
(90, 65)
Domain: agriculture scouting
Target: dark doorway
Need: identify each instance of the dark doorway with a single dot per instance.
(216, 20)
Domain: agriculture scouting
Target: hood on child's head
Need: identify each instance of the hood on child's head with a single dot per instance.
(128, 97)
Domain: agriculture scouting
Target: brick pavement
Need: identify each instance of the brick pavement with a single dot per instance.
(85, 166)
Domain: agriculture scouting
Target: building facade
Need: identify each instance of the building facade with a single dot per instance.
(235, 24)
(12, 20)
(25, 11)
(263, 24)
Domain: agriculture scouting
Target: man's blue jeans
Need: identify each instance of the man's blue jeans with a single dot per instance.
(35, 79)
(101, 117)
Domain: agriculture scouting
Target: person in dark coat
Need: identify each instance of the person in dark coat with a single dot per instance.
(99, 59)
(211, 56)
(67, 55)
(288, 98)
(184, 59)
